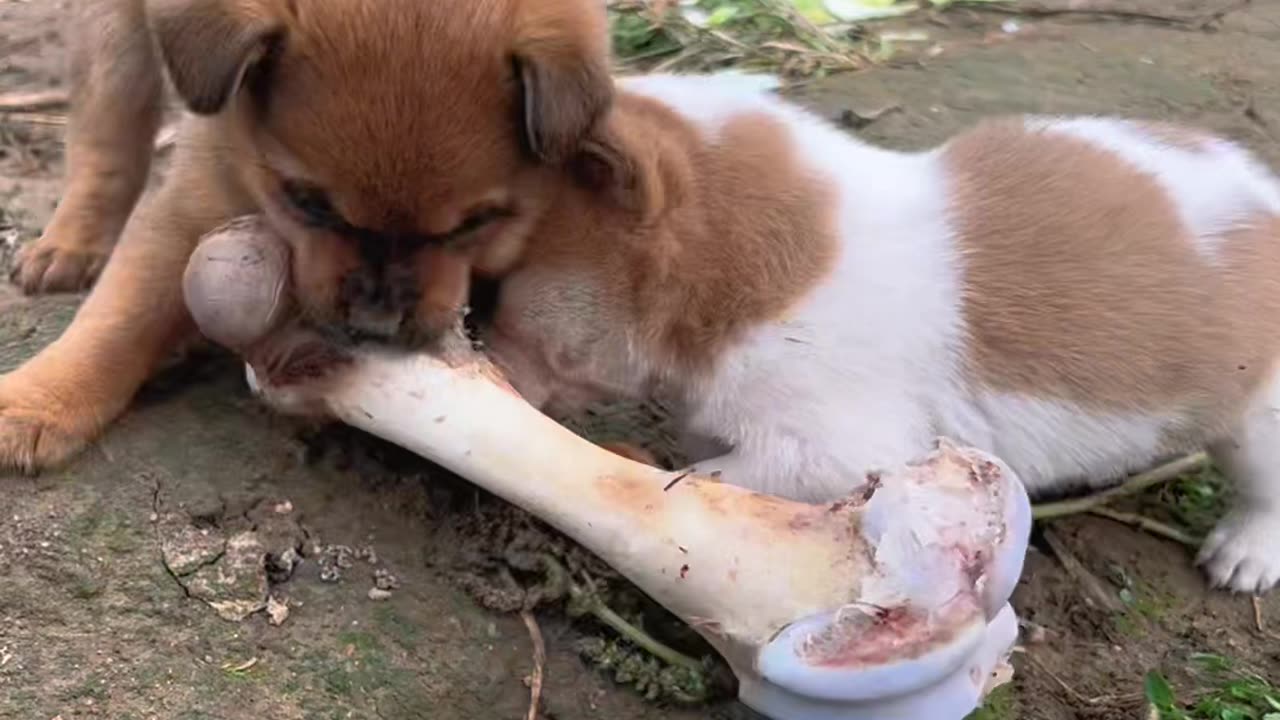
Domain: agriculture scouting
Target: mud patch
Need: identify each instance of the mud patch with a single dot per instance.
(229, 560)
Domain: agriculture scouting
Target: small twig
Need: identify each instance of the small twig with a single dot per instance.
(1075, 694)
(165, 139)
(1088, 582)
(539, 663)
(675, 481)
(592, 603)
(35, 118)
(32, 100)
(1155, 527)
(1217, 15)
(1255, 116)
(856, 120)
(1105, 9)
(1260, 622)
(1133, 486)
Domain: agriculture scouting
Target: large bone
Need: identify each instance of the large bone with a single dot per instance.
(891, 604)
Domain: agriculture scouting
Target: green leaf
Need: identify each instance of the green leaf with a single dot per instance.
(861, 10)
(814, 10)
(1158, 691)
(722, 15)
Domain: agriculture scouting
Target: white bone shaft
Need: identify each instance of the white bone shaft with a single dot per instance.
(706, 550)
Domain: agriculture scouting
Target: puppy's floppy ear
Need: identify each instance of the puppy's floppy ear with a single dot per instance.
(638, 168)
(561, 62)
(209, 46)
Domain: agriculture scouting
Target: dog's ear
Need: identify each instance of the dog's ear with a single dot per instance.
(561, 63)
(209, 46)
(634, 164)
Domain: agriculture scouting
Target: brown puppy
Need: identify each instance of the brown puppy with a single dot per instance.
(384, 140)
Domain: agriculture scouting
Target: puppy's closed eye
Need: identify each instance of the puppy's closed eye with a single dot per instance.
(479, 218)
(311, 203)
(312, 206)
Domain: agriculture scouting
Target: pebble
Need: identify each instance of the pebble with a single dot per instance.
(277, 611)
(383, 579)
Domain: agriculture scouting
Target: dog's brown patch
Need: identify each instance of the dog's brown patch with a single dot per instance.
(708, 238)
(761, 237)
(1082, 284)
(726, 235)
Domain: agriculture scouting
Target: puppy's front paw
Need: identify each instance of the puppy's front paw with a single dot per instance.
(59, 262)
(38, 433)
(1240, 553)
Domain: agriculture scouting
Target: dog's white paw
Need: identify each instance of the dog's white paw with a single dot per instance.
(1240, 554)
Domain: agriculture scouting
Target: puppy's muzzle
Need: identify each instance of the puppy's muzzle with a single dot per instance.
(380, 305)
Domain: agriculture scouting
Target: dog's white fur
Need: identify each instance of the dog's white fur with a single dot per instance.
(867, 369)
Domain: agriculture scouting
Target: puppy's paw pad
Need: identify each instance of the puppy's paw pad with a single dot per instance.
(30, 443)
(50, 266)
(1239, 554)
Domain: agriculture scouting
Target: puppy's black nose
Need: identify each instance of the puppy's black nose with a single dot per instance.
(378, 304)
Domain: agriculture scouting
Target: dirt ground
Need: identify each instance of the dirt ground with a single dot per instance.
(116, 574)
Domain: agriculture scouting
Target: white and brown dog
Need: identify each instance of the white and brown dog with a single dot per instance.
(1081, 296)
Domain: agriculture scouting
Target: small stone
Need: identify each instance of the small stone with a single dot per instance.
(330, 574)
(342, 556)
(277, 611)
(378, 594)
(283, 508)
(280, 567)
(1036, 634)
(383, 579)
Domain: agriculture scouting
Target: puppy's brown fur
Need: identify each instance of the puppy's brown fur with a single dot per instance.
(676, 273)
(386, 141)
(116, 91)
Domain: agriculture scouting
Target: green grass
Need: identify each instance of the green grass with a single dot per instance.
(357, 671)
(761, 35)
(1143, 602)
(400, 629)
(1228, 693)
(100, 527)
(793, 38)
(94, 688)
(1196, 500)
(1000, 705)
